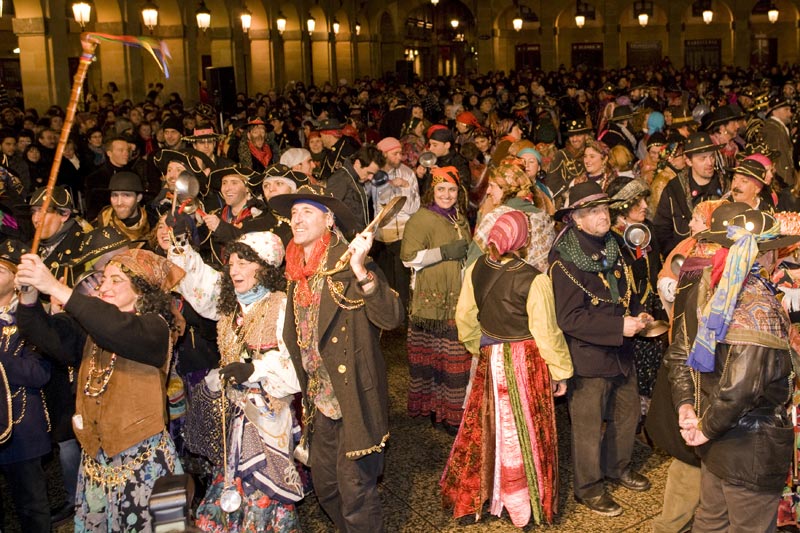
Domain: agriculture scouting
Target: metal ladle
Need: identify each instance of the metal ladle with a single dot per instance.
(427, 159)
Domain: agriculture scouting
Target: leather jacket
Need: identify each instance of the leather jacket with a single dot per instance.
(742, 403)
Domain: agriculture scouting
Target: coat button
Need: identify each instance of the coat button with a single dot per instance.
(342, 369)
(334, 340)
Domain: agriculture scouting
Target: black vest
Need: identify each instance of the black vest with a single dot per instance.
(501, 292)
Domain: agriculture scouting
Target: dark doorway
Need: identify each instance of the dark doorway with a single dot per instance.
(703, 53)
(527, 56)
(763, 51)
(644, 53)
(587, 55)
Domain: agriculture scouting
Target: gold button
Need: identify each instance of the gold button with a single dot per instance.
(334, 340)
(342, 369)
(344, 328)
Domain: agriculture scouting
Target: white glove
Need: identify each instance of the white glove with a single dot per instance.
(791, 298)
(666, 289)
(212, 380)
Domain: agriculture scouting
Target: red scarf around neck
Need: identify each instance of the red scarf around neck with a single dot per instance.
(299, 270)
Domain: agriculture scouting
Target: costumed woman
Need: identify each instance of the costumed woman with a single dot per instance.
(248, 300)
(120, 419)
(598, 168)
(506, 450)
(434, 245)
(629, 207)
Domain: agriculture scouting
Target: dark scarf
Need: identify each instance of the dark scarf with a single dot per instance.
(570, 250)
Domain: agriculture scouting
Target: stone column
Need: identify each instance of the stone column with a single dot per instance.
(611, 38)
(44, 71)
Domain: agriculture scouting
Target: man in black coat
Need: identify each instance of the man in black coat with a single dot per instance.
(699, 181)
(95, 189)
(599, 314)
(335, 349)
(347, 183)
(618, 132)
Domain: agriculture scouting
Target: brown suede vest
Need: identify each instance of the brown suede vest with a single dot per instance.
(130, 410)
(501, 292)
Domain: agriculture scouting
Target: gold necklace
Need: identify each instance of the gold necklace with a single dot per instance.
(98, 378)
(236, 338)
(596, 299)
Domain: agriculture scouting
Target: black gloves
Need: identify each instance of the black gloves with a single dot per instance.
(454, 251)
(236, 372)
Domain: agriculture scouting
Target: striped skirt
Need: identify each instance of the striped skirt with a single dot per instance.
(506, 450)
(439, 366)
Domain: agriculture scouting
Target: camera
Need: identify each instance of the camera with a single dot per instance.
(380, 178)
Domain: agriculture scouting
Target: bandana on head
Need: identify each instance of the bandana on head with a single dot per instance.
(509, 233)
(442, 174)
(718, 312)
(152, 268)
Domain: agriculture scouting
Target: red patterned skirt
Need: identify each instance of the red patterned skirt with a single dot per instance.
(439, 367)
(506, 451)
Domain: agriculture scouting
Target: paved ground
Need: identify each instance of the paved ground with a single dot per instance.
(414, 461)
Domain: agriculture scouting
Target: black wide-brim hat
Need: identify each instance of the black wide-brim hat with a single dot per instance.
(583, 195)
(752, 169)
(699, 143)
(11, 251)
(98, 242)
(723, 115)
(166, 156)
(344, 218)
(250, 177)
(576, 126)
(622, 112)
(753, 220)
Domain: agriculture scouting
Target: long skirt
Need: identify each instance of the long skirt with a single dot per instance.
(258, 512)
(439, 368)
(506, 450)
(102, 509)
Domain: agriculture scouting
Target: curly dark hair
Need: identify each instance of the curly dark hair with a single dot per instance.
(151, 298)
(268, 276)
(461, 201)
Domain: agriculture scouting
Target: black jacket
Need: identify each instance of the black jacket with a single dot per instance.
(742, 402)
(674, 211)
(593, 330)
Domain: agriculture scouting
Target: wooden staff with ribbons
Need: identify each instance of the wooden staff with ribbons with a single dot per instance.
(89, 42)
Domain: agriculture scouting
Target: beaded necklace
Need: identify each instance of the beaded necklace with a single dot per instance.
(98, 378)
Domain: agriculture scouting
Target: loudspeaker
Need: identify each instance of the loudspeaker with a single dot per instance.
(222, 88)
(405, 72)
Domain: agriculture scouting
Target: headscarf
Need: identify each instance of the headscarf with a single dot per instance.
(152, 268)
(718, 312)
(444, 174)
(509, 233)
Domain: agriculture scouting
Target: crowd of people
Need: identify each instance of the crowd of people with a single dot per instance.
(208, 297)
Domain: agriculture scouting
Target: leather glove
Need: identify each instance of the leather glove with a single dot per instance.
(454, 251)
(237, 372)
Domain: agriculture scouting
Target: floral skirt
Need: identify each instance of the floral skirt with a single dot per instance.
(127, 508)
(258, 513)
